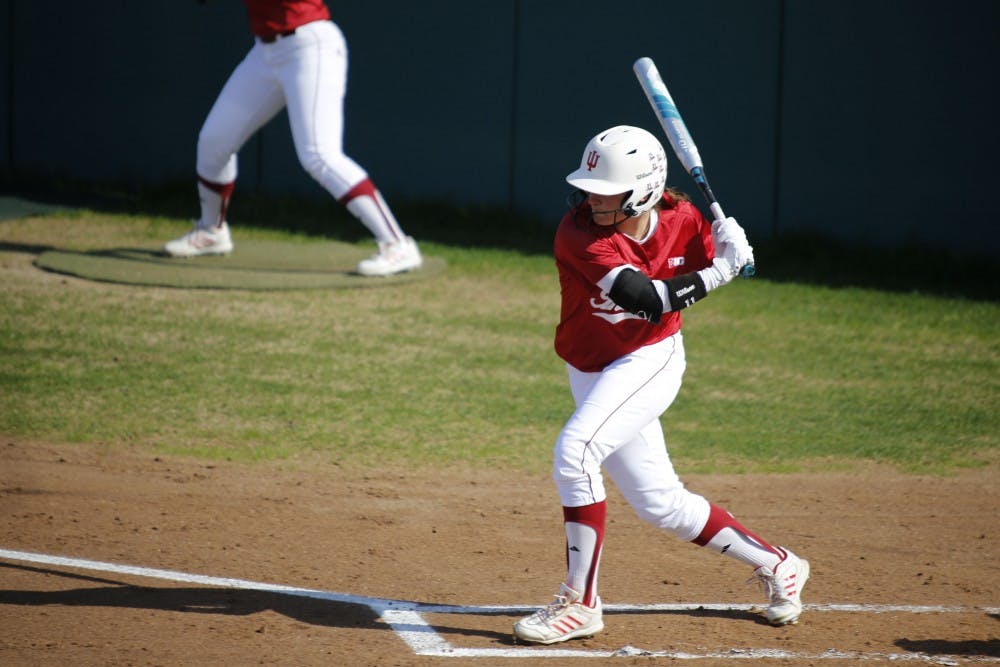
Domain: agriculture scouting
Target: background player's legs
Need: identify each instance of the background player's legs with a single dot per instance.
(315, 82)
(250, 98)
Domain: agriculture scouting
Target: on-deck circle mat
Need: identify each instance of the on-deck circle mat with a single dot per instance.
(253, 265)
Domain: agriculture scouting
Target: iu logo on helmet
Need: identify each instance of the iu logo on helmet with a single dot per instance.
(592, 158)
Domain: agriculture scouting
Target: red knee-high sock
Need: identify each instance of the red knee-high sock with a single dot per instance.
(366, 203)
(214, 201)
(725, 535)
(584, 541)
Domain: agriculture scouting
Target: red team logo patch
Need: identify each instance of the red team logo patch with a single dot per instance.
(592, 158)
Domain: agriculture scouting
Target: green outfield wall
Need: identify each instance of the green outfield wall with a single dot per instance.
(870, 120)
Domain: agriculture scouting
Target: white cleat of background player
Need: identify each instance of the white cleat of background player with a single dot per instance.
(391, 258)
(202, 240)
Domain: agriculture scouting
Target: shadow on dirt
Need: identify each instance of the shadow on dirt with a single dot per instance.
(196, 600)
(966, 648)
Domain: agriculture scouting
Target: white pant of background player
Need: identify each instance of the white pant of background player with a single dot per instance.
(305, 73)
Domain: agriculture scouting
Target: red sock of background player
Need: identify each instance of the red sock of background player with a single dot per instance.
(214, 201)
(584, 541)
(366, 203)
(725, 535)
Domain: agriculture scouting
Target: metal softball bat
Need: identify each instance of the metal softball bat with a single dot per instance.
(678, 136)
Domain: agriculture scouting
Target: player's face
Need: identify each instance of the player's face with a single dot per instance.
(606, 209)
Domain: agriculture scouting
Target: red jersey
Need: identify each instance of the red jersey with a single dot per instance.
(272, 17)
(592, 330)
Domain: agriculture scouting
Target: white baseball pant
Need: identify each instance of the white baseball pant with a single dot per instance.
(616, 425)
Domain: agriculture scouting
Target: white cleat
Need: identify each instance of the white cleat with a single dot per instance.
(202, 240)
(784, 588)
(392, 258)
(566, 618)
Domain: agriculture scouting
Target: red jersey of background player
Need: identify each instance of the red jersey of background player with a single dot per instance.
(592, 330)
(273, 17)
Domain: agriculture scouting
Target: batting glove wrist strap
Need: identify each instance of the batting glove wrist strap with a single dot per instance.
(718, 274)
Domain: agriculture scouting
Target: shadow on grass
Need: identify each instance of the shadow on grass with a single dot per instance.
(801, 258)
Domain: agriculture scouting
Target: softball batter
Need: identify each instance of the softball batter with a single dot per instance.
(298, 62)
(630, 257)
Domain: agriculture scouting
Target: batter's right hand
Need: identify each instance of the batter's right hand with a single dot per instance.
(731, 246)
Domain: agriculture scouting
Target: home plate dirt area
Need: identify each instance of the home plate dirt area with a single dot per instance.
(125, 557)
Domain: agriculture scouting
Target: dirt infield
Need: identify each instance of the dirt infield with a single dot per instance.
(889, 543)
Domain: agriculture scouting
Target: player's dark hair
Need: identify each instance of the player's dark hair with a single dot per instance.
(672, 197)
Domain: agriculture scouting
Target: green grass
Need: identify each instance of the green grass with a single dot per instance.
(841, 374)
(781, 376)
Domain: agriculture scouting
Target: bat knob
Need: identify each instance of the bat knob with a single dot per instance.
(748, 271)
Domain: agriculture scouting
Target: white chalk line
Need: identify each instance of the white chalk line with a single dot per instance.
(406, 619)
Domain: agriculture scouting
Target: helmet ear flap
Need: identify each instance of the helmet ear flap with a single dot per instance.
(629, 207)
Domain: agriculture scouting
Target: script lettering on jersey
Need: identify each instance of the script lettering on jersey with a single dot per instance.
(608, 310)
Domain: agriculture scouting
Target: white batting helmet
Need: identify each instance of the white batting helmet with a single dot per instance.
(623, 159)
